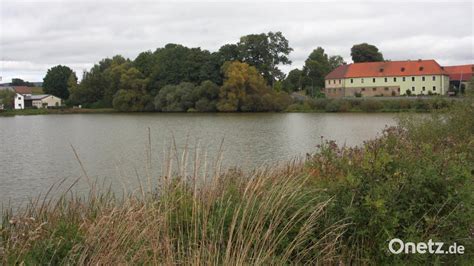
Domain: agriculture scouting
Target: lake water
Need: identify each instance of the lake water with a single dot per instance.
(35, 151)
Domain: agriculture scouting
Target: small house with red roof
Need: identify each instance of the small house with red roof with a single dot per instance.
(389, 78)
(24, 98)
(460, 75)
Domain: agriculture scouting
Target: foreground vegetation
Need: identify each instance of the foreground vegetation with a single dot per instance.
(340, 206)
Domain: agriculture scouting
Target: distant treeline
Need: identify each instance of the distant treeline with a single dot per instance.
(244, 76)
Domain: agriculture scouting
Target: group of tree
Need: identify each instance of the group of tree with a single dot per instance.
(319, 64)
(243, 76)
(20, 82)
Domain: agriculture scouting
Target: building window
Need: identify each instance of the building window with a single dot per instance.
(434, 88)
(412, 88)
(404, 79)
(352, 80)
(403, 69)
(373, 80)
(19, 98)
(386, 88)
(412, 78)
(434, 78)
(362, 80)
(386, 80)
(423, 78)
(394, 79)
(423, 88)
(339, 81)
(398, 89)
(374, 89)
(363, 89)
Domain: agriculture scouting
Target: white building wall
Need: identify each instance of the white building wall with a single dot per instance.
(19, 101)
(51, 101)
(435, 83)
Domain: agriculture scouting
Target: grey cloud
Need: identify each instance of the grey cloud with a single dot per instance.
(35, 36)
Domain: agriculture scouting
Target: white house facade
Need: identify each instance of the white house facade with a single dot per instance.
(23, 101)
(20, 101)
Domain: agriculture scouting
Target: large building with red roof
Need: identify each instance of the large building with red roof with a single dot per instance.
(390, 78)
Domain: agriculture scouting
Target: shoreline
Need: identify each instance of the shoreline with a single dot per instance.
(30, 112)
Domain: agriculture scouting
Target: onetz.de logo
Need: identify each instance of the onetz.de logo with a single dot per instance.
(397, 246)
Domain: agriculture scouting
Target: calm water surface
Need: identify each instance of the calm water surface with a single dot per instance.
(35, 151)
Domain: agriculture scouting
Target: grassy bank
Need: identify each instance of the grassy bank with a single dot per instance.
(55, 111)
(340, 206)
(375, 104)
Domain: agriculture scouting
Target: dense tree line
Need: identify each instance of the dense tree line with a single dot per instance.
(244, 76)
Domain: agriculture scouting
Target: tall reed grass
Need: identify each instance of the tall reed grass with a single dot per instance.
(341, 205)
(196, 215)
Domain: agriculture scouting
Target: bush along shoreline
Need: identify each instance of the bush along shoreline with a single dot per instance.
(319, 105)
(341, 205)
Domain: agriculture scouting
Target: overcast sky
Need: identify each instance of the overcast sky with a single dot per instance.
(36, 35)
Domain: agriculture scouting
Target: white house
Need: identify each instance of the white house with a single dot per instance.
(20, 100)
(43, 100)
(23, 101)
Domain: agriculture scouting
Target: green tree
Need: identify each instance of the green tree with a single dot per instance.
(112, 76)
(175, 98)
(293, 80)
(20, 82)
(176, 63)
(72, 87)
(7, 98)
(229, 52)
(144, 63)
(101, 83)
(335, 61)
(315, 69)
(132, 95)
(206, 96)
(244, 89)
(265, 52)
(365, 52)
(55, 81)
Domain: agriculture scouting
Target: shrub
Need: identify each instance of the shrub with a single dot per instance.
(414, 183)
(299, 107)
(371, 105)
(422, 105)
(338, 105)
(317, 104)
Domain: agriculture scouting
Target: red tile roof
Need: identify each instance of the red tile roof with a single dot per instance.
(339, 72)
(23, 90)
(388, 68)
(457, 72)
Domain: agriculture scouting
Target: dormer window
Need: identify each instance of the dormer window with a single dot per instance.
(403, 69)
(421, 68)
(381, 69)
